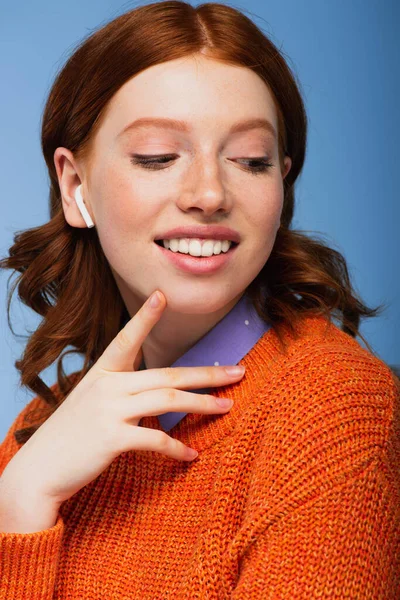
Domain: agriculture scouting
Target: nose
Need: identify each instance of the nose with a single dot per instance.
(204, 189)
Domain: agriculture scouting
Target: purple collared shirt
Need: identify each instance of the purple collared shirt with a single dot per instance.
(225, 344)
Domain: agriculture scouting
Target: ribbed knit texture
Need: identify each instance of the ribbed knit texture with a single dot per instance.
(295, 493)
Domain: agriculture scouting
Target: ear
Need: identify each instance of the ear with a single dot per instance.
(68, 180)
(287, 166)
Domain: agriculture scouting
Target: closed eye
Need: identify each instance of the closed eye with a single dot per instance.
(155, 162)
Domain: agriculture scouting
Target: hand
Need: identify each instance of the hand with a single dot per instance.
(99, 419)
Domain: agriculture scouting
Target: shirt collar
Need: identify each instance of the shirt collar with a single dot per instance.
(225, 344)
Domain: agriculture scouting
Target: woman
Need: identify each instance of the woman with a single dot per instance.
(176, 131)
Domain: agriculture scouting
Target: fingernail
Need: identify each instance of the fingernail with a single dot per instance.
(224, 402)
(192, 453)
(155, 300)
(235, 370)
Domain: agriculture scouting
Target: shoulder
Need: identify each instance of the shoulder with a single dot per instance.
(322, 352)
(327, 391)
(339, 363)
(329, 409)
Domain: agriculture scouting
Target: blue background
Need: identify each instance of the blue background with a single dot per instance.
(345, 54)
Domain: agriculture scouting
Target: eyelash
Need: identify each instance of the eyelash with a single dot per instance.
(148, 162)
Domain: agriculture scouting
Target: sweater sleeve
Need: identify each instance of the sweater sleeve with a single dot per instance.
(344, 543)
(28, 561)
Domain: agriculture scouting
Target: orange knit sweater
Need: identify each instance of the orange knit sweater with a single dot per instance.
(295, 493)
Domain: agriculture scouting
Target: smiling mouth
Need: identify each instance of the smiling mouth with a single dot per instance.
(197, 258)
(198, 265)
(160, 243)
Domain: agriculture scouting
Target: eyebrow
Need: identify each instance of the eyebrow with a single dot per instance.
(166, 123)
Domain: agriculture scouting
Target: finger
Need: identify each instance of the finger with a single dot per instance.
(161, 401)
(121, 353)
(184, 378)
(143, 438)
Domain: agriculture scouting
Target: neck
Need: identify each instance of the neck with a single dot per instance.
(175, 333)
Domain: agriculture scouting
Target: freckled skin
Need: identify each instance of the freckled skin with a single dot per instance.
(207, 182)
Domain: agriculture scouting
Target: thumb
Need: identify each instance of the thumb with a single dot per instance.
(125, 351)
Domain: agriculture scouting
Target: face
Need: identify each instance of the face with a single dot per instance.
(209, 178)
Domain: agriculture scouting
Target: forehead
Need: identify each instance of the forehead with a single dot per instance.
(193, 94)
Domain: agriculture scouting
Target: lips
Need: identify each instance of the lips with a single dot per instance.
(215, 232)
(199, 265)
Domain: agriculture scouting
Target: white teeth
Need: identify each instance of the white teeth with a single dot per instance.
(195, 247)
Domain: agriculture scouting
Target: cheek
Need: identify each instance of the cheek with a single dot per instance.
(119, 207)
(266, 213)
(120, 231)
(121, 213)
(118, 216)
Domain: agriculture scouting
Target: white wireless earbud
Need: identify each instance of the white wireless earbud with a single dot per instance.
(82, 207)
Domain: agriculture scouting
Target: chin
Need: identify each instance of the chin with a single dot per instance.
(201, 301)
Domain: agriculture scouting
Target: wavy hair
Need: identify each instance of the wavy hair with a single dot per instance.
(302, 276)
